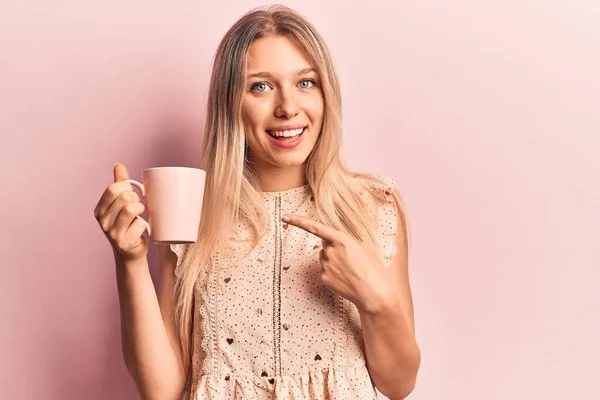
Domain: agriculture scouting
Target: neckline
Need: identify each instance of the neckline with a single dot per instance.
(304, 189)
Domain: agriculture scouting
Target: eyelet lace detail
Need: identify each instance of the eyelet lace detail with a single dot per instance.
(384, 209)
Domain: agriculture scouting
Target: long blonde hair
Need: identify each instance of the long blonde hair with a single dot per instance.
(232, 191)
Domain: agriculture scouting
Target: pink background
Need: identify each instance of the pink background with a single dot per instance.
(486, 113)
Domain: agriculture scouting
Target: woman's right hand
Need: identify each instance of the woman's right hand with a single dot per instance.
(116, 214)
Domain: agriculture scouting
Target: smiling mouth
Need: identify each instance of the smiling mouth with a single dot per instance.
(287, 136)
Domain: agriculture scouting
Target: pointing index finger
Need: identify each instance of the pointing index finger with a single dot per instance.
(314, 227)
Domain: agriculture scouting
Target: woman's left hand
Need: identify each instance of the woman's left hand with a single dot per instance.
(350, 268)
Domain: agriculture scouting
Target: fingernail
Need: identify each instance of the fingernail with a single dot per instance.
(286, 218)
(116, 164)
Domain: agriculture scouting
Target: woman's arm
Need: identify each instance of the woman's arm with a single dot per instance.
(393, 355)
(148, 336)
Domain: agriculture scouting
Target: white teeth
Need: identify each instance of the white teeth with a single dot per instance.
(290, 133)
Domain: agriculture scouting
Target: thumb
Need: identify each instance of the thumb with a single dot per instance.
(120, 172)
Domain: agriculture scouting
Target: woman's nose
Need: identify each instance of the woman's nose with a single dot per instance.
(287, 106)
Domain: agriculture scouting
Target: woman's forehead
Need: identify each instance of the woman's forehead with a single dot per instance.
(277, 56)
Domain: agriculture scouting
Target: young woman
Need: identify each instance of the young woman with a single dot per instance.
(297, 287)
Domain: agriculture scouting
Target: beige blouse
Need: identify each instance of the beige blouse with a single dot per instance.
(266, 327)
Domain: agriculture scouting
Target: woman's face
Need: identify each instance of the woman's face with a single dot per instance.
(282, 104)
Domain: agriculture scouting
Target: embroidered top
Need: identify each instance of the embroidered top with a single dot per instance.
(266, 327)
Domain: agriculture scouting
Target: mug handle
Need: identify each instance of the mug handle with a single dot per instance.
(143, 190)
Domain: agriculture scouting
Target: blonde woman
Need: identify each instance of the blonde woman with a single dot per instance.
(298, 285)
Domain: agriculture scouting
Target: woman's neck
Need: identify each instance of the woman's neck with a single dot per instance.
(280, 178)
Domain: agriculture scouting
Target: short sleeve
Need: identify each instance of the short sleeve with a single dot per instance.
(180, 250)
(384, 210)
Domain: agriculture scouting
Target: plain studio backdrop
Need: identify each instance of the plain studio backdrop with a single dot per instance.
(485, 112)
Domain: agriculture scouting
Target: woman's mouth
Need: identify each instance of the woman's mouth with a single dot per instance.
(287, 139)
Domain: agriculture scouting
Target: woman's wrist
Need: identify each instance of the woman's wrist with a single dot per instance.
(131, 265)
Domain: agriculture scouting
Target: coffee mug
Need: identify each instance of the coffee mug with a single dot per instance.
(174, 198)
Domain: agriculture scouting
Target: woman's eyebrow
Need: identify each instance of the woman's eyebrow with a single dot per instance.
(264, 74)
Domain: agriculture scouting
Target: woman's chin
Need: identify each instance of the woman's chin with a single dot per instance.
(290, 160)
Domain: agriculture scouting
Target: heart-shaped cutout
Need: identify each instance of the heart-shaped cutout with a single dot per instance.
(227, 280)
(229, 340)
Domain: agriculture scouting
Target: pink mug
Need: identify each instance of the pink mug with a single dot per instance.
(174, 198)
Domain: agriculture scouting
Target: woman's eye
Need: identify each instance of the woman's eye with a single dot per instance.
(309, 83)
(259, 87)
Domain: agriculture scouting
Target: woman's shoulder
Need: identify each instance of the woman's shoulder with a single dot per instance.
(381, 198)
(180, 250)
(378, 186)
